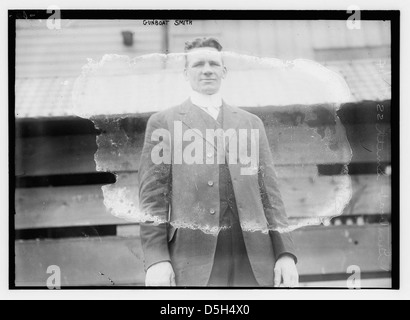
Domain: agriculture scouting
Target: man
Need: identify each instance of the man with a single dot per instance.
(210, 216)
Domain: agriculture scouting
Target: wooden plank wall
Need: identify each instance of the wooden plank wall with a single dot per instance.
(283, 39)
(48, 207)
(95, 261)
(58, 187)
(42, 52)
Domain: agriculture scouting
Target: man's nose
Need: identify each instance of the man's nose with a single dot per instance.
(207, 69)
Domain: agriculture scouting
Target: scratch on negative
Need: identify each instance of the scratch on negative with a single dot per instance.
(112, 282)
(366, 148)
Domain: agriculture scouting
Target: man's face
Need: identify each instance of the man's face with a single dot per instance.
(205, 70)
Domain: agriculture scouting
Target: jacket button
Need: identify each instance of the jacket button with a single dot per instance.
(212, 211)
(210, 183)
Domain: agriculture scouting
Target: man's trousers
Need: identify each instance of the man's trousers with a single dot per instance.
(231, 266)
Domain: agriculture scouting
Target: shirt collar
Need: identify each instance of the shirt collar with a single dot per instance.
(205, 100)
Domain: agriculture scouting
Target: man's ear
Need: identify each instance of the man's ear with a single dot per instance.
(186, 74)
(224, 72)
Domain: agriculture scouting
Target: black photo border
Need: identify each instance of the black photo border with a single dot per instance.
(393, 16)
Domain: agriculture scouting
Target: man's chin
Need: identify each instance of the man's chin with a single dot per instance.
(209, 91)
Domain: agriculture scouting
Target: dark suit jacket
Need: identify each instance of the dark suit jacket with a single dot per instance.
(185, 210)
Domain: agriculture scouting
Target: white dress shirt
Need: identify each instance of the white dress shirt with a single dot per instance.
(209, 103)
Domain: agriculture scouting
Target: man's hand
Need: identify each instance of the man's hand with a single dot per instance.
(160, 275)
(286, 274)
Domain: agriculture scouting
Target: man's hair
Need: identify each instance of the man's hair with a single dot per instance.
(203, 43)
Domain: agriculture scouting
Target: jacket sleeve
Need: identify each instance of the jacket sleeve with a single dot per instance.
(272, 200)
(154, 195)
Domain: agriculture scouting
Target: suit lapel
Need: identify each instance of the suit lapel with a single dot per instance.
(192, 119)
(232, 120)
